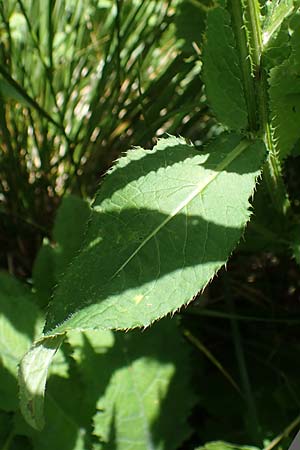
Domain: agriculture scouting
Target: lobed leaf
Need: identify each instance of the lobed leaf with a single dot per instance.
(163, 223)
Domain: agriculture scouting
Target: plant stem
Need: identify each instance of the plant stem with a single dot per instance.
(223, 315)
(272, 171)
(118, 32)
(252, 7)
(284, 434)
(200, 346)
(31, 102)
(8, 441)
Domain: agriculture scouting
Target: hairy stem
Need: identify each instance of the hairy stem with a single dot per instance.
(272, 171)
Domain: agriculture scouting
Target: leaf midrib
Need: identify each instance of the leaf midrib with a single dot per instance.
(200, 187)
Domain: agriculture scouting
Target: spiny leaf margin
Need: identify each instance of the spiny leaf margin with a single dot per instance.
(227, 172)
(284, 91)
(179, 194)
(222, 73)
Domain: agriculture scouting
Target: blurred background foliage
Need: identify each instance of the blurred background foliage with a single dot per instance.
(80, 83)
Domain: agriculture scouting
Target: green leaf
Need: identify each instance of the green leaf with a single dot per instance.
(17, 92)
(69, 229)
(222, 73)
(295, 39)
(277, 12)
(52, 260)
(163, 223)
(219, 445)
(267, 230)
(66, 418)
(43, 273)
(5, 426)
(140, 242)
(278, 49)
(143, 396)
(33, 374)
(295, 242)
(61, 431)
(190, 24)
(285, 107)
(20, 324)
(9, 92)
(284, 93)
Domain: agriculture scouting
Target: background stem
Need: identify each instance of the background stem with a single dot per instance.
(252, 419)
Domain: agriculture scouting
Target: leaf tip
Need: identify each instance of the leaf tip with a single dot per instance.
(32, 376)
